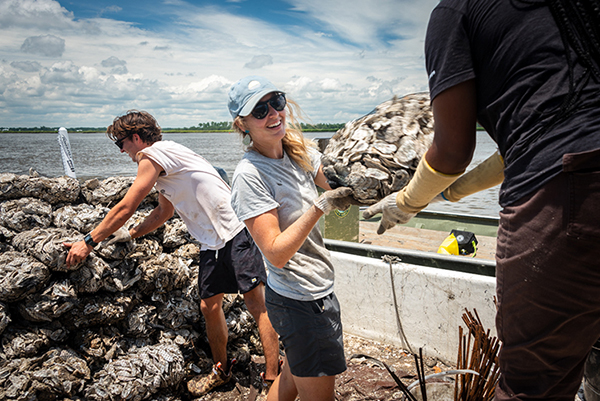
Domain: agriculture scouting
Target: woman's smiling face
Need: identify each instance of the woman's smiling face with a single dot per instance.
(270, 129)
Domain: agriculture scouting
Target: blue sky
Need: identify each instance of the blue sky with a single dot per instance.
(81, 62)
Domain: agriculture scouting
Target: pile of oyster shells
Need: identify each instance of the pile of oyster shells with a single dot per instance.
(124, 324)
(378, 153)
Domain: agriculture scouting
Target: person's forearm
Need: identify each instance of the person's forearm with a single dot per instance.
(279, 247)
(155, 219)
(114, 220)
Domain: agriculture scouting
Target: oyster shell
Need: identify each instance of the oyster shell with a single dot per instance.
(188, 251)
(6, 237)
(18, 343)
(53, 190)
(25, 213)
(164, 273)
(176, 311)
(90, 277)
(99, 310)
(50, 304)
(46, 245)
(142, 321)
(4, 317)
(121, 275)
(62, 372)
(111, 190)
(59, 327)
(176, 234)
(139, 374)
(99, 345)
(106, 192)
(83, 218)
(20, 275)
(377, 154)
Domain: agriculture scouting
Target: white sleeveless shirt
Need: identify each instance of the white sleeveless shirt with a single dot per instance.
(197, 192)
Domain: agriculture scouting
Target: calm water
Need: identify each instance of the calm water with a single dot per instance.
(95, 156)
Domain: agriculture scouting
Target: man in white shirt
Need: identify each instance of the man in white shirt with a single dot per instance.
(230, 262)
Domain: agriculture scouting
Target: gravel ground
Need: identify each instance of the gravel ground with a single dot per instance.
(363, 380)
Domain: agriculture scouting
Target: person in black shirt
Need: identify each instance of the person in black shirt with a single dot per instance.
(528, 72)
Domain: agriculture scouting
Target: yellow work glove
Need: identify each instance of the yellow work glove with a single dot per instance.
(423, 187)
(487, 174)
(400, 207)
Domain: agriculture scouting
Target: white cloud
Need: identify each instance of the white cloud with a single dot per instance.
(41, 13)
(258, 62)
(46, 45)
(90, 70)
(211, 85)
(117, 66)
(26, 66)
(364, 23)
(62, 73)
(113, 61)
(111, 9)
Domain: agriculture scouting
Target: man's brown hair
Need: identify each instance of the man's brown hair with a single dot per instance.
(135, 122)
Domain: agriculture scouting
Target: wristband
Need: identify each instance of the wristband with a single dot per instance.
(89, 240)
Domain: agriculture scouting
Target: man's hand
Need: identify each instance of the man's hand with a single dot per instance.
(390, 214)
(77, 252)
(340, 198)
(121, 235)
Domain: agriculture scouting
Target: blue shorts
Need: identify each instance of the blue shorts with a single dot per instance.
(311, 333)
(237, 267)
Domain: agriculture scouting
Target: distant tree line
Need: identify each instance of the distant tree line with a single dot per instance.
(43, 129)
(212, 126)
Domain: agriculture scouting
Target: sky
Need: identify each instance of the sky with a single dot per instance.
(81, 63)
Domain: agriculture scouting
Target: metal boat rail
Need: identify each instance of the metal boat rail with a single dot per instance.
(429, 259)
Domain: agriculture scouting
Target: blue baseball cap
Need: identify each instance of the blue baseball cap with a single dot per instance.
(245, 93)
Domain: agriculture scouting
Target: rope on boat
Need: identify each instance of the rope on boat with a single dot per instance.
(390, 260)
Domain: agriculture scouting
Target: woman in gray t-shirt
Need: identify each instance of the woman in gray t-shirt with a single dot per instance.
(274, 193)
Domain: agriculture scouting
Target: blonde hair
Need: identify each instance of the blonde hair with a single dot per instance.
(294, 143)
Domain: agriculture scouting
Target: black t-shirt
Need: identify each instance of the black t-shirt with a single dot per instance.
(515, 53)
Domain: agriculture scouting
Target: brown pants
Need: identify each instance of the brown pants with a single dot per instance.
(548, 284)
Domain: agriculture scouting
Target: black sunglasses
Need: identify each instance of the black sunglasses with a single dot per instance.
(119, 142)
(261, 109)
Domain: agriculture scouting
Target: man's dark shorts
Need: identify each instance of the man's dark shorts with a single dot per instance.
(237, 267)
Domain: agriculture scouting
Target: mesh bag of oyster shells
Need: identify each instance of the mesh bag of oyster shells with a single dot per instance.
(377, 154)
(52, 190)
(46, 245)
(60, 327)
(25, 213)
(20, 275)
(138, 374)
(56, 373)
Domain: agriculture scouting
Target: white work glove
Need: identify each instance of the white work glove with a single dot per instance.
(390, 214)
(121, 235)
(339, 198)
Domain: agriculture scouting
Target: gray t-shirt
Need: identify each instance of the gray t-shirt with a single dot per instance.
(261, 184)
